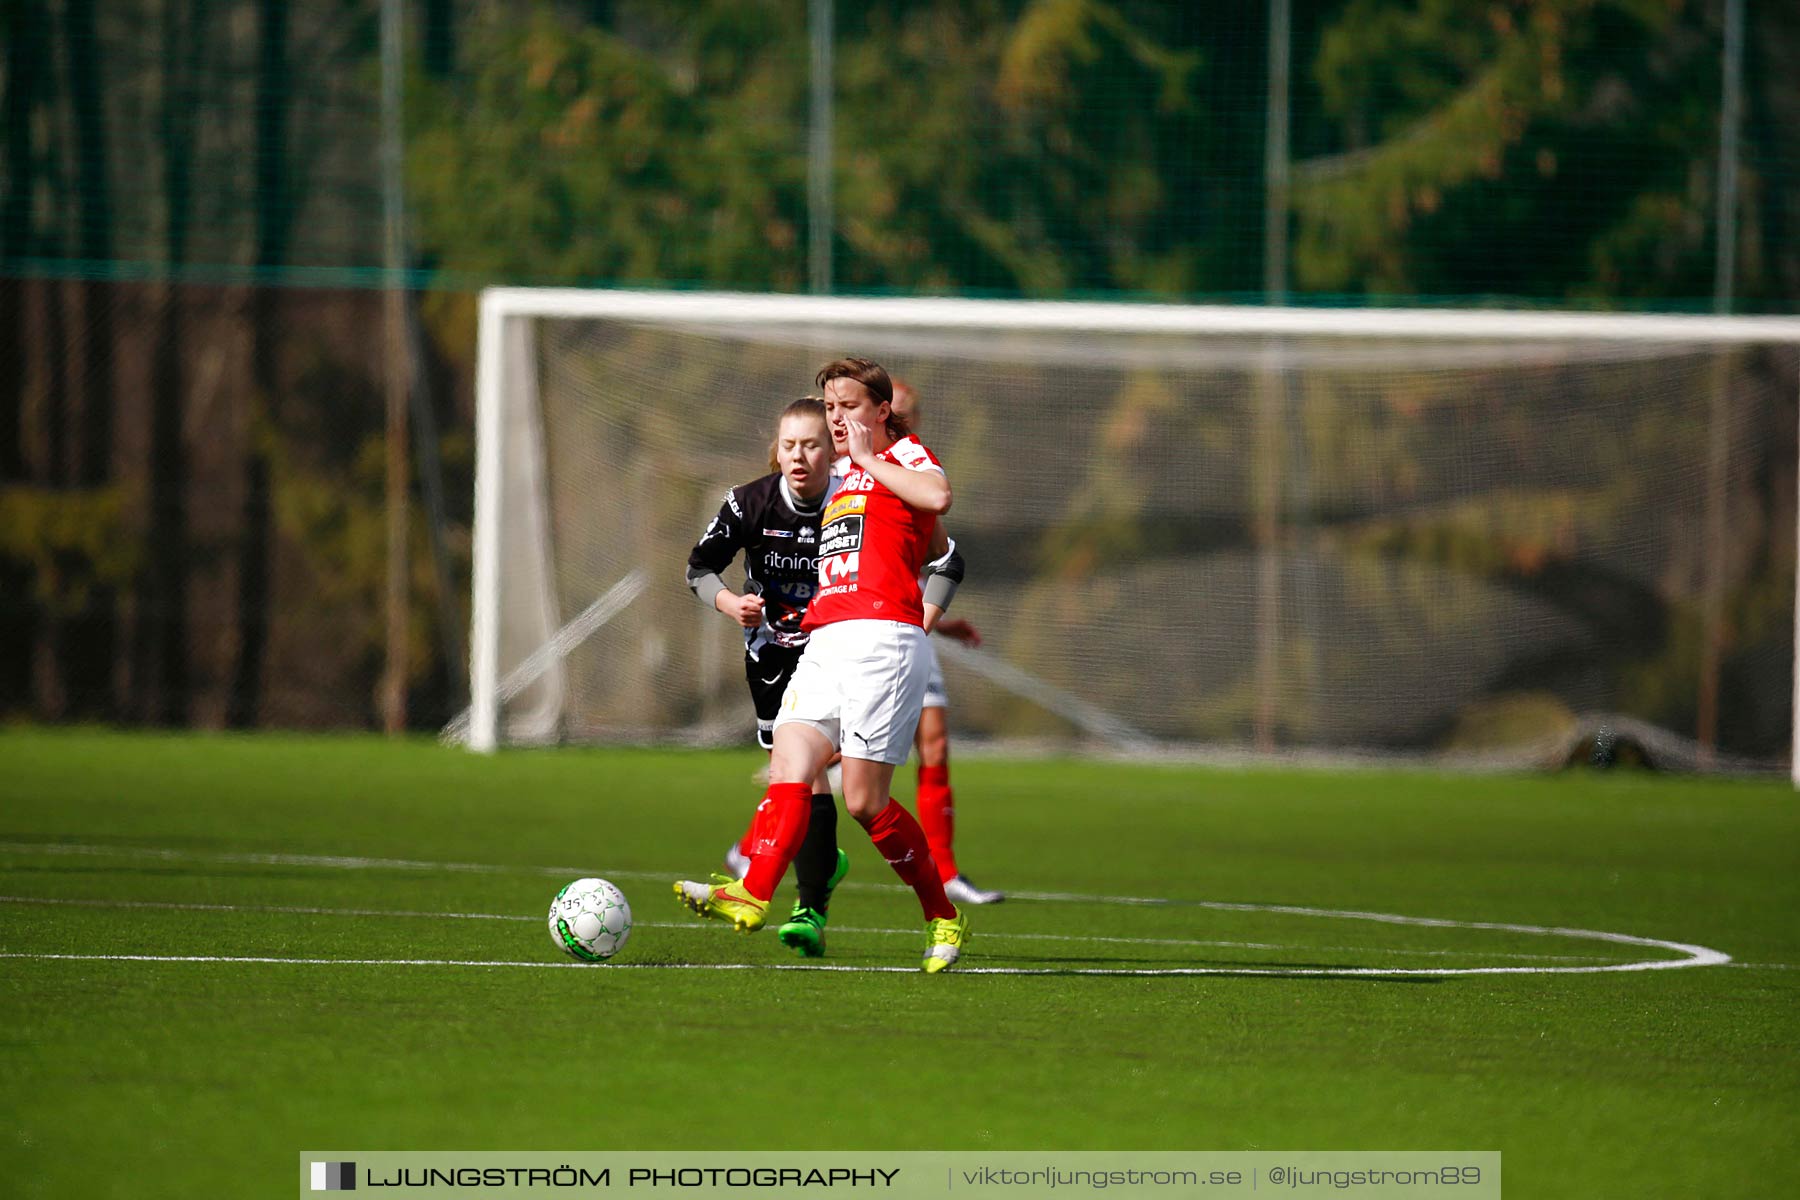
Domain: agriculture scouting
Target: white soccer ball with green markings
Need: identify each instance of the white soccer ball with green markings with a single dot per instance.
(590, 919)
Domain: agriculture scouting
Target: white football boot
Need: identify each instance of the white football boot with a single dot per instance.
(962, 890)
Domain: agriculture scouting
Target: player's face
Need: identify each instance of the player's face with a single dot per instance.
(803, 449)
(847, 400)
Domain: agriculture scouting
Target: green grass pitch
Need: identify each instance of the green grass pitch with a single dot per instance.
(129, 1077)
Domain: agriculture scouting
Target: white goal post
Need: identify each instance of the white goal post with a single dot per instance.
(1169, 354)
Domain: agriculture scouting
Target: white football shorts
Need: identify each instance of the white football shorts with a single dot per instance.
(935, 695)
(861, 684)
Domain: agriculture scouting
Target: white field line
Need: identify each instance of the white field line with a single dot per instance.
(986, 935)
(340, 862)
(1693, 956)
(1283, 972)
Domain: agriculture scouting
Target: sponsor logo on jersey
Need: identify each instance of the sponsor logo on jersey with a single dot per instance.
(716, 529)
(839, 569)
(844, 506)
(793, 596)
(809, 534)
(802, 564)
(842, 536)
(731, 501)
(778, 533)
(910, 454)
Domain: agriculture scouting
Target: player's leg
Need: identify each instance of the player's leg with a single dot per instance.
(879, 718)
(820, 866)
(767, 673)
(805, 738)
(782, 817)
(937, 810)
(816, 864)
(737, 855)
(894, 831)
(817, 861)
(800, 753)
(937, 803)
(884, 673)
(902, 843)
(816, 867)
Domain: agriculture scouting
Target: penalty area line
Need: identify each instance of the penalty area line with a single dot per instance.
(1277, 972)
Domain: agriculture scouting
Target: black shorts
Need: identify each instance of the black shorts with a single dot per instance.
(768, 676)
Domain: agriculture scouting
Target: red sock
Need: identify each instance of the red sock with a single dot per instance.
(754, 832)
(902, 843)
(781, 826)
(937, 814)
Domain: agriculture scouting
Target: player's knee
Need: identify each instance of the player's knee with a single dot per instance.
(800, 752)
(792, 761)
(865, 807)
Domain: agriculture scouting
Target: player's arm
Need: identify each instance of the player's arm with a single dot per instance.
(957, 630)
(922, 485)
(723, 538)
(927, 490)
(942, 575)
(940, 543)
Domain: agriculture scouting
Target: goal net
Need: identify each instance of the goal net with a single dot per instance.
(1505, 536)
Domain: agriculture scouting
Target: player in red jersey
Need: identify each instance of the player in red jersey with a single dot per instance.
(774, 521)
(861, 682)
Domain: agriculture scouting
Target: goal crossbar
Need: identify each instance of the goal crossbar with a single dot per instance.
(1205, 319)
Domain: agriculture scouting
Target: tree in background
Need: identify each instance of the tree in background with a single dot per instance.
(91, 638)
(160, 639)
(23, 31)
(662, 152)
(1557, 150)
(274, 213)
(1046, 148)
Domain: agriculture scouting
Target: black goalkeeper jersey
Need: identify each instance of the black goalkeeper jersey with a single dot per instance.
(780, 543)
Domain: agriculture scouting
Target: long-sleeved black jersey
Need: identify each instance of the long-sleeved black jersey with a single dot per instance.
(779, 538)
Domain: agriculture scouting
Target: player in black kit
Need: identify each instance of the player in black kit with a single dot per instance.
(774, 522)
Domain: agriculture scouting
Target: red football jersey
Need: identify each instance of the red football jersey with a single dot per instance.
(872, 546)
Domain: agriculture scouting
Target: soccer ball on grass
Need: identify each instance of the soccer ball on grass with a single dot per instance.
(590, 919)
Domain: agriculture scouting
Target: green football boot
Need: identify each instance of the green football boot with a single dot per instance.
(837, 876)
(804, 932)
